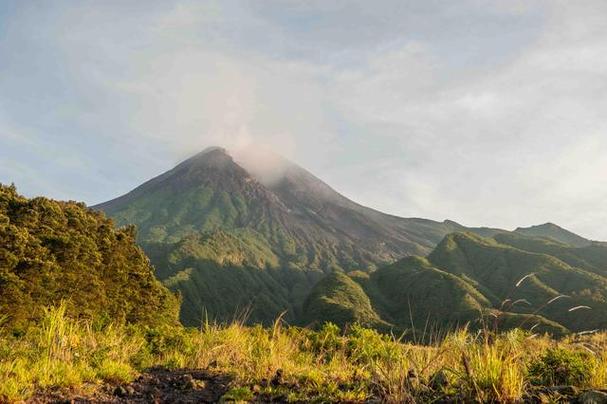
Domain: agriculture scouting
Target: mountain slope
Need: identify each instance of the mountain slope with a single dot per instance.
(554, 232)
(503, 282)
(496, 269)
(303, 219)
(290, 222)
(337, 298)
(592, 257)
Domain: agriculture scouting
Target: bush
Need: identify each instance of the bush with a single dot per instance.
(558, 366)
(367, 345)
(61, 253)
(327, 340)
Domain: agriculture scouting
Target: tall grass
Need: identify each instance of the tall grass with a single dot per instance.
(295, 363)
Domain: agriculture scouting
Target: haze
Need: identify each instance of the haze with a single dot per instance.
(487, 113)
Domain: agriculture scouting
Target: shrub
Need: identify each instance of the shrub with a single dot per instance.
(559, 366)
(238, 394)
(61, 253)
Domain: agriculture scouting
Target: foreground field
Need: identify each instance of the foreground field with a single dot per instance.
(63, 358)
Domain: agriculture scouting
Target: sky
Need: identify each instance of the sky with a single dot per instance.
(484, 112)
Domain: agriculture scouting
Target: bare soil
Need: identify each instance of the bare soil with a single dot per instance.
(154, 386)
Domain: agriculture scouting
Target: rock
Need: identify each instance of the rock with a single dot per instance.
(593, 397)
(564, 390)
(187, 382)
(120, 391)
(277, 379)
(130, 390)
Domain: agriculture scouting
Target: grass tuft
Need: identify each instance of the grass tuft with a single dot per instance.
(299, 364)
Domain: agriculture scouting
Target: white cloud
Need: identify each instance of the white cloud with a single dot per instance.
(516, 145)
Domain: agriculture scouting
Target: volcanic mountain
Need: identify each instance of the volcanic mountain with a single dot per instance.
(298, 215)
(277, 226)
(255, 235)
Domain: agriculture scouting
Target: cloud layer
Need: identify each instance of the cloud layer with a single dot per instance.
(488, 113)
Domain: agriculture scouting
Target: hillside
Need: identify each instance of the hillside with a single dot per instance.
(340, 300)
(505, 282)
(554, 232)
(283, 230)
(54, 253)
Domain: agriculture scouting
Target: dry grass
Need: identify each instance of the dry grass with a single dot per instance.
(325, 365)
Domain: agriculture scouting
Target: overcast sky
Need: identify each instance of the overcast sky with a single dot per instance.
(484, 112)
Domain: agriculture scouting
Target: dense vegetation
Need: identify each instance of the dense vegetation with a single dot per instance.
(507, 281)
(60, 251)
(295, 364)
(341, 300)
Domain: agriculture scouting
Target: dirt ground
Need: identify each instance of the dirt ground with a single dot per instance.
(153, 386)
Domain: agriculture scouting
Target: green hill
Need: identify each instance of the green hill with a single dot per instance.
(554, 232)
(496, 269)
(338, 299)
(53, 252)
(499, 282)
(592, 257)
(414, 291)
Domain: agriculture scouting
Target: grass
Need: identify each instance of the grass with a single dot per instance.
(323, 365)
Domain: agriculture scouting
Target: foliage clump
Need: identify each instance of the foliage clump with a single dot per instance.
(54, 251)
(558, 367)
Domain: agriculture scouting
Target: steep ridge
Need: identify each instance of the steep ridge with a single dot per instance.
(503, 272)
(554, 232)
(506, 281)
(339, 299)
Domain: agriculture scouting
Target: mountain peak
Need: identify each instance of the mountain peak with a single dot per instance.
(211, 156)
(259, 162)
(555, 232)
(256, 190)
(211, 149)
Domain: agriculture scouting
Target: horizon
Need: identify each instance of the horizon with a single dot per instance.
(487, 114)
